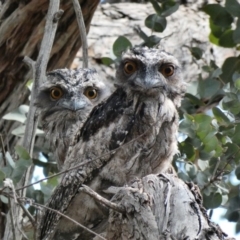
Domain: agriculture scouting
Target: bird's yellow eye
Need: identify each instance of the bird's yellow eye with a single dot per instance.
(167, 70)
(130, 67)
(56, 93)
(90, 92)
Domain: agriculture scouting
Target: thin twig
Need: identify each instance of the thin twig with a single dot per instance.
(39, 72)
(12, 219)
(99, 198)
(32, 220)
(63, 215)
(37, 206)
(82, 30)
(3, 151)
(216, 177)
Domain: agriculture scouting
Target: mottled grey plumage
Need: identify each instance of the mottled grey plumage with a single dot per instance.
(64, 102)
(131, 134)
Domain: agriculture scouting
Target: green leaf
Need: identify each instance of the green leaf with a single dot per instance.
(220, 116)
(191, 170)
(237, 84)
(21, 167)
(219, 15)
(201, 178)
(19, 131)
(208, 87)
(233, 7)
(188, 149)
(216, 30)
(214, 200)
(233, 151)
(156, 23)
(18, 114)
(210, 143)
(236, 32)
(202, 164)
(156, 6)
(213, 39)
(169, 8)
(233, 106)
(107, 61)
(236, 136)
(10, 160)
(230, 66)
(196, 52)
(22, 152)
(151, 41)
(2, 177)
(4, 199)
(233, 216)
(186, 125)
(29, 84)
(121, 45)
(202, 120)
(226, 40)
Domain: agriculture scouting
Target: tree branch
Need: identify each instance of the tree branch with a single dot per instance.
(101, 199)
(82, 30)
(39, 74)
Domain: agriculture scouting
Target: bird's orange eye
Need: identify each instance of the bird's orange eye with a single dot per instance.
(167, 70)
(90, 92)
(130, 67)
(56, 93)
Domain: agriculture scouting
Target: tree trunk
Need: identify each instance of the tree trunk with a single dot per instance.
(161, 207)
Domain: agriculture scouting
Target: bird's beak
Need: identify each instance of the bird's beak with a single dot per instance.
(152, 82)
(73, 104)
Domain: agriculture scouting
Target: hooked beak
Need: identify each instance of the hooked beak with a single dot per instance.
(73, 104)
(149, 83)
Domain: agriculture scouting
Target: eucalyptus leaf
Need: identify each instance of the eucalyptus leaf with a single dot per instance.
(226, 40)
(220, 116)
(4, 199)
(196, 52)
(19, 131)
(219, 15)
(236, 32)
(214, 200)
(17, 115)
(230, 66)
(120, 45)
(156, 6)
(169, 9)
(10, 160)
(233, 7)
(22, 152)
(107, 61)
(156, 23)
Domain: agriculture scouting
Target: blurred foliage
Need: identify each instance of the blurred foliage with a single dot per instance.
(209, 134)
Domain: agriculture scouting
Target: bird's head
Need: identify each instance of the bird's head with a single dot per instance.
(151, 72)
(70, 94)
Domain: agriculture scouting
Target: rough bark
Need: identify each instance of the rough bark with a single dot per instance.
(21, 30)
(161, 207)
